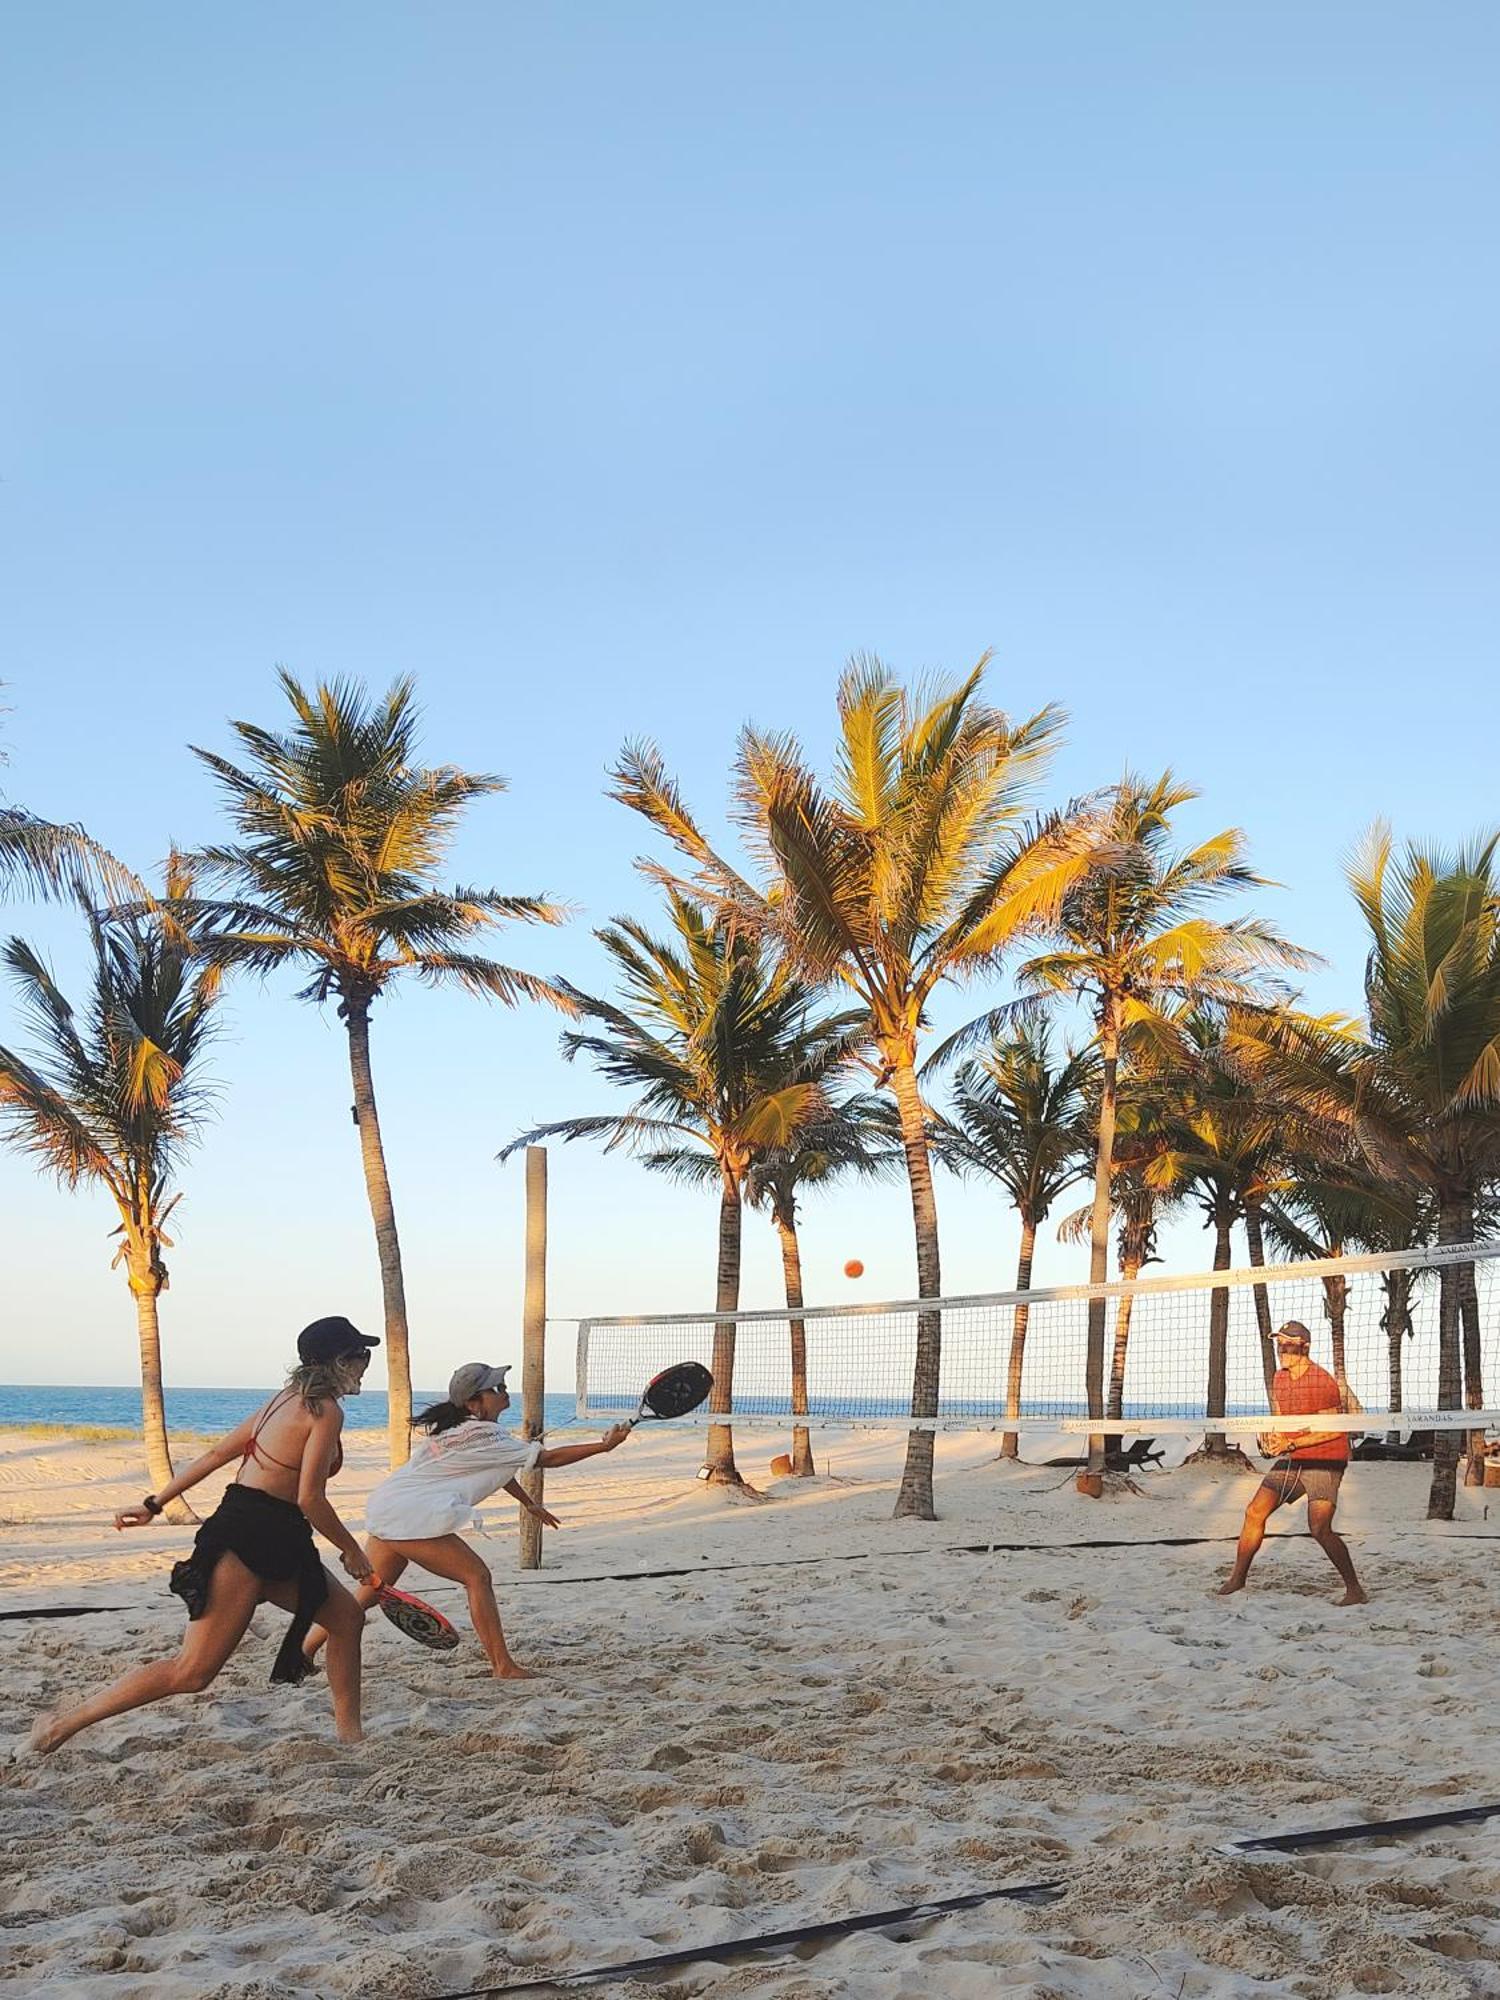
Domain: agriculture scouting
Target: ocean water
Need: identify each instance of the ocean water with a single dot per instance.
(202, 1411)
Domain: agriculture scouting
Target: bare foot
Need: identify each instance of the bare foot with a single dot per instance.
(1228, 1589)
(512, 1672)
(351, 1736)
(43, 1735)
(1355, 1594)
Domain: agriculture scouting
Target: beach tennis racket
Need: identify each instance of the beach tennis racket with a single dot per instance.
(416, 1619)
(674, 1392)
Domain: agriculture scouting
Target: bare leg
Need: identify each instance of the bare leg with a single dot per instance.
(1252, 1534)
(344, 1624)
(1320, 1527)
(233, 1593)
(450, 1556)
(388, 1563)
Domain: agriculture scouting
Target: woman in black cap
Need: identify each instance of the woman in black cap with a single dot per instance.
(257, 1546)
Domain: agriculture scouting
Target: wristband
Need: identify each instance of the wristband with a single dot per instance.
(152, 1505)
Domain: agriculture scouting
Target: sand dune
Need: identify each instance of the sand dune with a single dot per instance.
(773, 1740)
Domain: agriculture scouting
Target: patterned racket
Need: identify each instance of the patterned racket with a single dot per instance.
(415, 1618)
(674, 1392)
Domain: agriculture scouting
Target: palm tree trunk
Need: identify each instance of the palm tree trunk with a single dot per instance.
(719, 1463)
(1010, 1443)
(1218, 1332)
(1255, 1239)
(1336, 1305)
(1130, 1270)
(1442, 1492)
(915, 1496)
(1468, 1306)
(1104, 1163)
(387, 1242)
(1397, 1286)
(791, 1273)
(145, 1285)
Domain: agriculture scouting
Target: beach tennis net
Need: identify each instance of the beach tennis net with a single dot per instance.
(1181, 1354)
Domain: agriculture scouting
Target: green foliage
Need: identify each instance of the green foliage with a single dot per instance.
(340, 831)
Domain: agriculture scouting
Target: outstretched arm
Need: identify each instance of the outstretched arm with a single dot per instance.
(573, 1454)
(228, 1448)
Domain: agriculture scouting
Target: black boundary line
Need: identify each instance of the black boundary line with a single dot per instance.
(68, 1610)
(782, 1941)
(784, 1562)
(793, 1563)
(1369, 1829)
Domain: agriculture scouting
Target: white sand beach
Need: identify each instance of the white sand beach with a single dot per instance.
(780, 1736)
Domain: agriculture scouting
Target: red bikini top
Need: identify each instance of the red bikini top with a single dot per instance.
(256, 1450)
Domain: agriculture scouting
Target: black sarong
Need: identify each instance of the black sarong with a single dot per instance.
(273, 1539)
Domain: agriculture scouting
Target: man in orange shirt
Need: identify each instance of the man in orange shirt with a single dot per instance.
(1309, 1464)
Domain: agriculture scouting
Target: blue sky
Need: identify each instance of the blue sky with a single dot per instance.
(618, 371)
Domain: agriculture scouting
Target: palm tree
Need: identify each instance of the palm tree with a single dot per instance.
(1136, 942)
(340, 831)
(113, 1095)
(1225, 1148)
(1018, 1118)
(856, 1140)
(916, 866)
(720, 1044)
(1420, 1090)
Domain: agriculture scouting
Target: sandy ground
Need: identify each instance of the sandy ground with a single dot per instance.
(788, 1738)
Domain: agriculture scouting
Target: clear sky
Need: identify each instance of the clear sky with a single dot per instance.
(618, 370)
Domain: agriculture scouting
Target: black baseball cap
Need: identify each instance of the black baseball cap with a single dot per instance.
(331, 1339)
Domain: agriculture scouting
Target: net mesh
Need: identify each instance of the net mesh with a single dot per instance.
(1179, 1353)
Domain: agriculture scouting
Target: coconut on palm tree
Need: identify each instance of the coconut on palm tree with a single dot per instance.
(113, 1092)
(915, 866)
(1138, 942)
(1018, 1117)
(719, 1042)
(339, 832)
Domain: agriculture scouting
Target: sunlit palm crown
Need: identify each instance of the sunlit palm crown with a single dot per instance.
(113, 1092)
(1419, 1084)
(1021, 1117)
(914, 865)
(340, 831)
(716, 1038)
(1137, 920)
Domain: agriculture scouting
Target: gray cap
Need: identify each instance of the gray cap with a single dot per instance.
(473, 1378)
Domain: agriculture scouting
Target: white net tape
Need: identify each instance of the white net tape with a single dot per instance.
(1180, 1354)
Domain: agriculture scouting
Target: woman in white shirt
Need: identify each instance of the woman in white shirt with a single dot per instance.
(414, 1514)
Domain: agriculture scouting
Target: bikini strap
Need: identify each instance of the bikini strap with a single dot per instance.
(254, 1449)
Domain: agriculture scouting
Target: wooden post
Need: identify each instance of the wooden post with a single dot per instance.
(534, 1342)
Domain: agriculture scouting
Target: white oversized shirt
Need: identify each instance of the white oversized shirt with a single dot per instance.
(437, 1490)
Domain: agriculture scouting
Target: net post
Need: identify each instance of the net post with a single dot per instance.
(534, 1345)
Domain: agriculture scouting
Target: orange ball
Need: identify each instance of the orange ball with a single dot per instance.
(854, 1269)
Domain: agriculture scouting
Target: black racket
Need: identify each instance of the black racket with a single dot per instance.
(674, 1392)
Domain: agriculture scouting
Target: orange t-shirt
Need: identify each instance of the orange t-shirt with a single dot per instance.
(1313, 1392)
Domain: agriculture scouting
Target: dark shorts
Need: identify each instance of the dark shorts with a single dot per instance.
(273, 1539)
(1291, 1482)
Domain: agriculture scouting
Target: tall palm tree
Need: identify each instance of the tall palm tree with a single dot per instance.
(339, 833)
(914, 867)
(113, 1094)
(1225, 1147)
(721, 1046)
(1420, 1091)
(1019, 1119)
(1138, 943)
(855, 1140)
